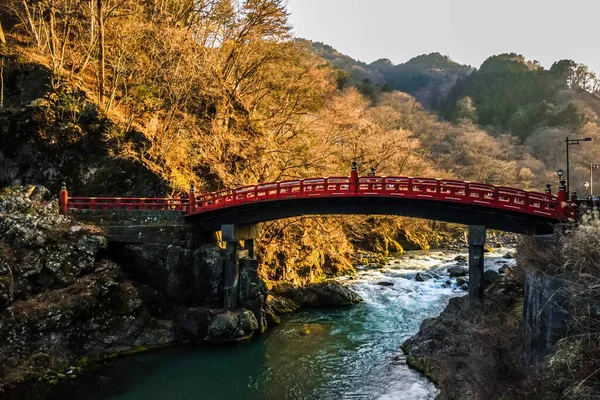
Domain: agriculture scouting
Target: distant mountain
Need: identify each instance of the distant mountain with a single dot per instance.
(359, 71)
(428, 77)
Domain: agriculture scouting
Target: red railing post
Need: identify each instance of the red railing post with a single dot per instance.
(191, 200)
(561, 202)
(63, 200)
(354, 177)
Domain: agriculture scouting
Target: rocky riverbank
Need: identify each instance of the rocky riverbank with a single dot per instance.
(64, 303)
(474, 351)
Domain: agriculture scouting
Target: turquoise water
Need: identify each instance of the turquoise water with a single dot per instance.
(349, 353)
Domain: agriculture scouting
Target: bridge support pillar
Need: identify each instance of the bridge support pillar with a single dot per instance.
(476, 240)
(250, 246)
(232, 235)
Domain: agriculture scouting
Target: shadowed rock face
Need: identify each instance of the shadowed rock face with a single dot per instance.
(546, 314)
(44, 140)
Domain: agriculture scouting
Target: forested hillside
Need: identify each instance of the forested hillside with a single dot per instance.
(428, 77)
(123, 97)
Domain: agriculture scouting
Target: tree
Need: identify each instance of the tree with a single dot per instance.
(465, 109)
(2, 62)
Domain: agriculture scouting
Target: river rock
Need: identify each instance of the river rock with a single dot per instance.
(464, 287)
(225, 325)
(248, 321)
(491, 276)
(373, 266)
(385, 283)
(461, 280)
(457, 271)
(423, 276)
(509, 256)
(330, 293)
(232, 326)
(281, 305)
(460, 259)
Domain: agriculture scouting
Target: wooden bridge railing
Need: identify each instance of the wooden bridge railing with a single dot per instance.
(67, 203)
(446, 190)
(417, 188)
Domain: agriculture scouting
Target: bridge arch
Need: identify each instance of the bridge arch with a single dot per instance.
(466, 214)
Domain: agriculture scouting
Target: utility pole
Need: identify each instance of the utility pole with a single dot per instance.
(592, 167)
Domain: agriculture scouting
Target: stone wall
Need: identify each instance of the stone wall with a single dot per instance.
(141, 227)
(160, 249)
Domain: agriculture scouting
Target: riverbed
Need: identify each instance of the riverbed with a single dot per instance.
(347, 353)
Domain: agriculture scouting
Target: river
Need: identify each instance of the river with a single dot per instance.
(348, 353)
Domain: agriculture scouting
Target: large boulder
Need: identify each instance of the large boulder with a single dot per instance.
(457, 271)
(460, 259)
(490, 277)
(232, 326)
(225, 326)
(330, 293)
(423, 276)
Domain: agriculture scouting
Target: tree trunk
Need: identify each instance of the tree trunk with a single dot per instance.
(2, 38)
(101, 60)
(1, 81)
(2, 43)
(34, 31)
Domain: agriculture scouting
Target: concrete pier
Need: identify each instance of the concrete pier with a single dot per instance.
(476, 241)
(233, 235)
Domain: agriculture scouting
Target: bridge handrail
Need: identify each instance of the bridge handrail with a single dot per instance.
(128, 203)
(393, 186)
(448, 190)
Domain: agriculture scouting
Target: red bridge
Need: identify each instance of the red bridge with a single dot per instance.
(496, 207)
(235, 212)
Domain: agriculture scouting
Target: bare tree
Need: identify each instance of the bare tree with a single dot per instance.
(2, 37)
(2, 45)
(101, 49)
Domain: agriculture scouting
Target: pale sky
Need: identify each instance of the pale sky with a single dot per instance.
(468, 31)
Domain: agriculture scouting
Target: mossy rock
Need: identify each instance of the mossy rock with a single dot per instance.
(423, 365)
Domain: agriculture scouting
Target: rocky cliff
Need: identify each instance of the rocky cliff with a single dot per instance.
(64, 302)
